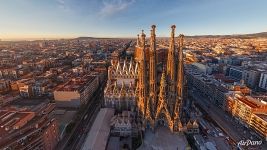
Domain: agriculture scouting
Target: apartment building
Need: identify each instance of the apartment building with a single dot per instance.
(76, 92)
(28, 129)
(249, 111)
(263, 81)
(251, 77)
(236, 73)
(207, 86)
(4, 86)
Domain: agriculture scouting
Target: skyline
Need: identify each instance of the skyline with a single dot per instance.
(36, 19)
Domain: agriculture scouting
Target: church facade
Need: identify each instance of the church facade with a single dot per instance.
(160, 103)
(136, 85)
(120, 92)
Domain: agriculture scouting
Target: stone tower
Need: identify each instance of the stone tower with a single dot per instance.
(171, 71)
(152, 99)
(138, 41)
(142, 78)
(163, 108)
(180, 86)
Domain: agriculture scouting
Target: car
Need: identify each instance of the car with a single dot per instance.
(84, 117)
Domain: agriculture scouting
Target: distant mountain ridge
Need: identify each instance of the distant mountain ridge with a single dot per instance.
(252, 35)
(245, 36)
(261, 34)
(90, 38)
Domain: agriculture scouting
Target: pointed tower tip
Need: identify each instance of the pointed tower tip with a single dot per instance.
(138, 40)
(143, 39)
(143, 34)
(163, 78)
(172, 33)
(181, 39)
(153, 30)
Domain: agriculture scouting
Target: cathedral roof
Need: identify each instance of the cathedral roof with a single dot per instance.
(124, 68)
(195, 124)
(192, 124)
(122, 120)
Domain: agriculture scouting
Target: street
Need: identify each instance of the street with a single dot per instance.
(234, 130)
(78, 134)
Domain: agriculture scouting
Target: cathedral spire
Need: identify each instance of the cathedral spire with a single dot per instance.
(153, 39)
(180, 68)
(143, 39)
(118, 68)
(151, 100)
(153, 70)
(171, 53)
(124, 68)
(142, 77)
(180, 85)
(138, 41)
(153, 33)
(131, 67)
(171, 71)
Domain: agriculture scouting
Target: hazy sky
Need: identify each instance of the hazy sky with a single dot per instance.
(125, 18)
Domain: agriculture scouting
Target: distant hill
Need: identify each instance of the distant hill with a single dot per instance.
(90, 38)
(84, 38)
(245, 36)
(261, 34)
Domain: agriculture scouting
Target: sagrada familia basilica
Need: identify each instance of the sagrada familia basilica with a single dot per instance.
(136, 85)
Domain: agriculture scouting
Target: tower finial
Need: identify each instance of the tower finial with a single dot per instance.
(173, 31)
(138, 40)
(180, 51)
(181, 39)
(143, 38)
(153, 30)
